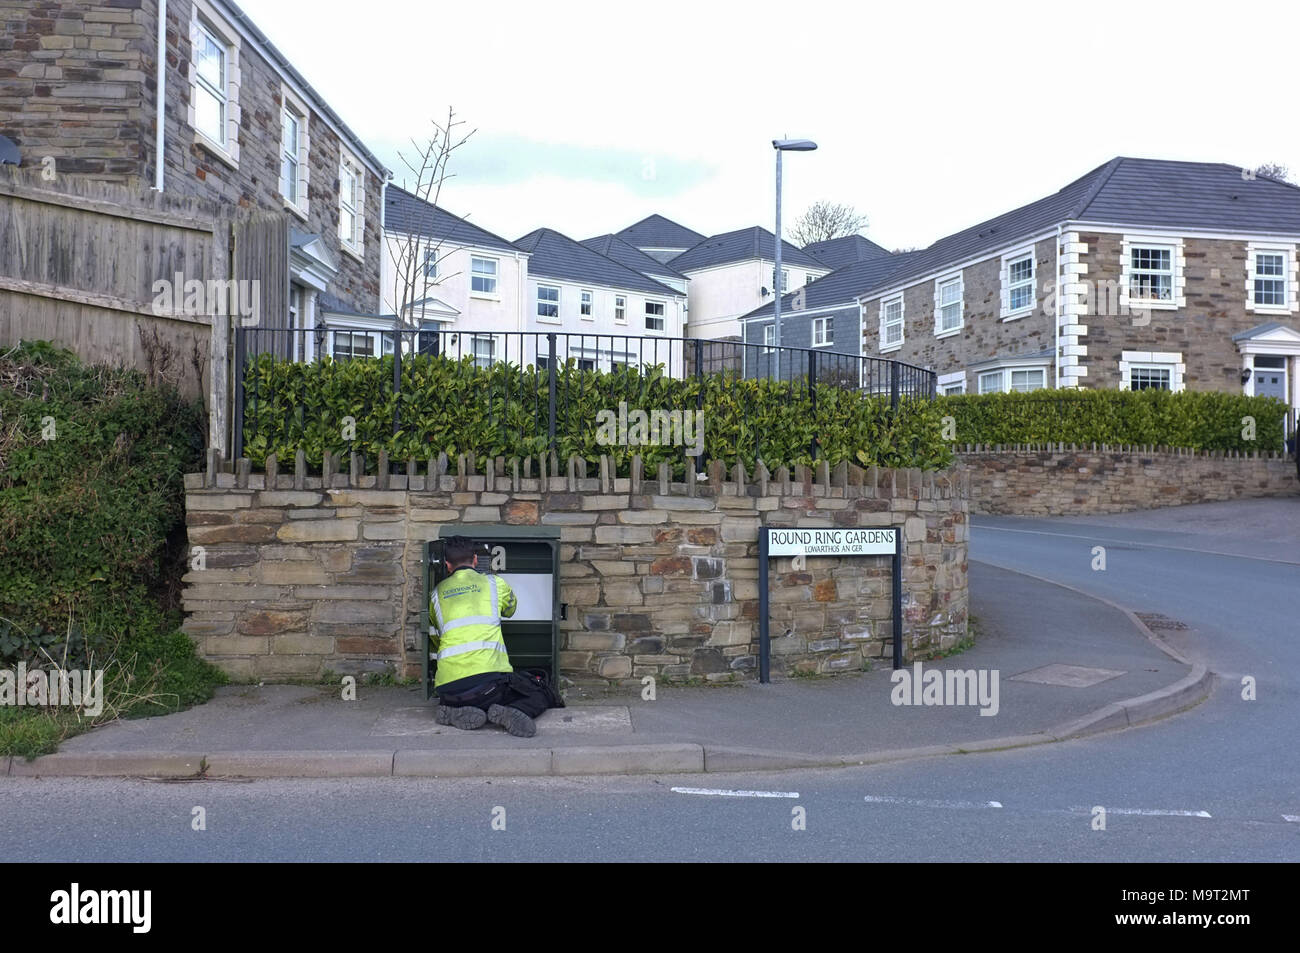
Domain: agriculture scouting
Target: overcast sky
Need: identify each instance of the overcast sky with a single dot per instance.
(930, 117)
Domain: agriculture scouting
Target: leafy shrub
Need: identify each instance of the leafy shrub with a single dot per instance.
(92, 464)
(1198, 420)
(503, 410)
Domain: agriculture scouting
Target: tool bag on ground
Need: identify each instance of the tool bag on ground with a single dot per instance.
(539, 678)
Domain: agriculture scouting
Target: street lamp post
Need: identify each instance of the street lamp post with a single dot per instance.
(782, 145)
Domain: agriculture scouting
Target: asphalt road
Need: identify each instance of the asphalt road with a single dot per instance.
(1219, 783)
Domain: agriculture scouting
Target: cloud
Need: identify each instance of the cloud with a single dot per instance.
(504, 159)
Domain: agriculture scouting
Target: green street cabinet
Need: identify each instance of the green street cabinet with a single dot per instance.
(527, 557)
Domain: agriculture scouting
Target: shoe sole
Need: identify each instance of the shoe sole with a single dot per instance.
(512, 720)
(466, 719)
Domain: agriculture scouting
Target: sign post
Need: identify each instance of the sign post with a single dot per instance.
(877, 541)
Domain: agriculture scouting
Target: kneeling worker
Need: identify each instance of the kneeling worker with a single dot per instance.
(475, 683)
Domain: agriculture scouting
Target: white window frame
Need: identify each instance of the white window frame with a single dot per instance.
(1005, 374)
(430, 263)
(539, 302)
(947, 281)
(885, 345)
(825, 325)
(587, 301)
(620, 309)
(292, 106)
(1010, 286)
(1171, 360)
(809, 278)
(491, 342)
(205, 20)
(785, 279)
(769, 338)
(947, 382)
(663, 316)
(1290, 287)
(1177, 281)
(493, 294)
(354, 243)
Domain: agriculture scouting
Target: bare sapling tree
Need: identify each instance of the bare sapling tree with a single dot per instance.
(826, 220)
(1274, 170)
(417, 255)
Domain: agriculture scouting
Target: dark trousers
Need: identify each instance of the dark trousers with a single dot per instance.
(513, 691)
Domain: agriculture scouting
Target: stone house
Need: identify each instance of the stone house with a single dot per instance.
(1141, 274)
(235, 123)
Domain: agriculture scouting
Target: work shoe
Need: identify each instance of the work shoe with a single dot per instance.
(512, 720)
(466, 718)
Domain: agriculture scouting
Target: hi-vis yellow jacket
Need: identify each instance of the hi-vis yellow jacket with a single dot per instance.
(465, 616)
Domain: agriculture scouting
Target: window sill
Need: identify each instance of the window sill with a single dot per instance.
(949, 333)
(1267, 309)
(1150, 305)
(484, 297)
(216, 150)
(824, 344)
(300, 212)
(892, 348)
(357, 253)
(555, 321)
(1017, 315)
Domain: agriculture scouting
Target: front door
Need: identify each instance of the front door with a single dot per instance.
(1270, 377)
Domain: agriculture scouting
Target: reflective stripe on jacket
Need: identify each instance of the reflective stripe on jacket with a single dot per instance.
(465, 614)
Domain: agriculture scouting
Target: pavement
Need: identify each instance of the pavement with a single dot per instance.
(1067, 665)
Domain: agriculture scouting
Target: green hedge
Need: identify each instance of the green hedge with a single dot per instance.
(457, 407)
(92, 526)
(1199, 420)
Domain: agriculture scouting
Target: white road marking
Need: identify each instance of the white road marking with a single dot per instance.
(1146, 812)
(923, 802)
(1293, 818)
(718, 792)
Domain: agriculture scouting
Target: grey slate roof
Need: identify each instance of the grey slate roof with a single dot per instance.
(1046, 354)
(655, 231)
(741, 245)
(838, 252)
(1259, 329)
(840, 288)
(558, 256)
(611, 246)
(1127, 191)
(410, 214)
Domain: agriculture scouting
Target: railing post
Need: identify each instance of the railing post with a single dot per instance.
(240, 347)
(550, 340)
(397, 381)
(893, 385)
(812, 395)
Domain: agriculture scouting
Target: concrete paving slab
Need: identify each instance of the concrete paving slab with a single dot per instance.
(1069, 676)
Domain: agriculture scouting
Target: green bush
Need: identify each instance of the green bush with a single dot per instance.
(457, 407)
(1198, 420)
(92, 530)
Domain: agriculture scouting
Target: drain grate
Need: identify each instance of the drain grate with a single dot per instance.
(1154, 620)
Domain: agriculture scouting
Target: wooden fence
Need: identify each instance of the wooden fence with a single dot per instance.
(124, 275)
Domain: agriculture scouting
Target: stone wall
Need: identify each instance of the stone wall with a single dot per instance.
(79, 86)
(984, 335)
(303, 574)
(1055, 480)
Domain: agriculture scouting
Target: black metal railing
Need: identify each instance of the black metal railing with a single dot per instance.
(528, 406)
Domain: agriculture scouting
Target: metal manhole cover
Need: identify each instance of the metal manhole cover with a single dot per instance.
(1071, 676)
(1154, 620)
